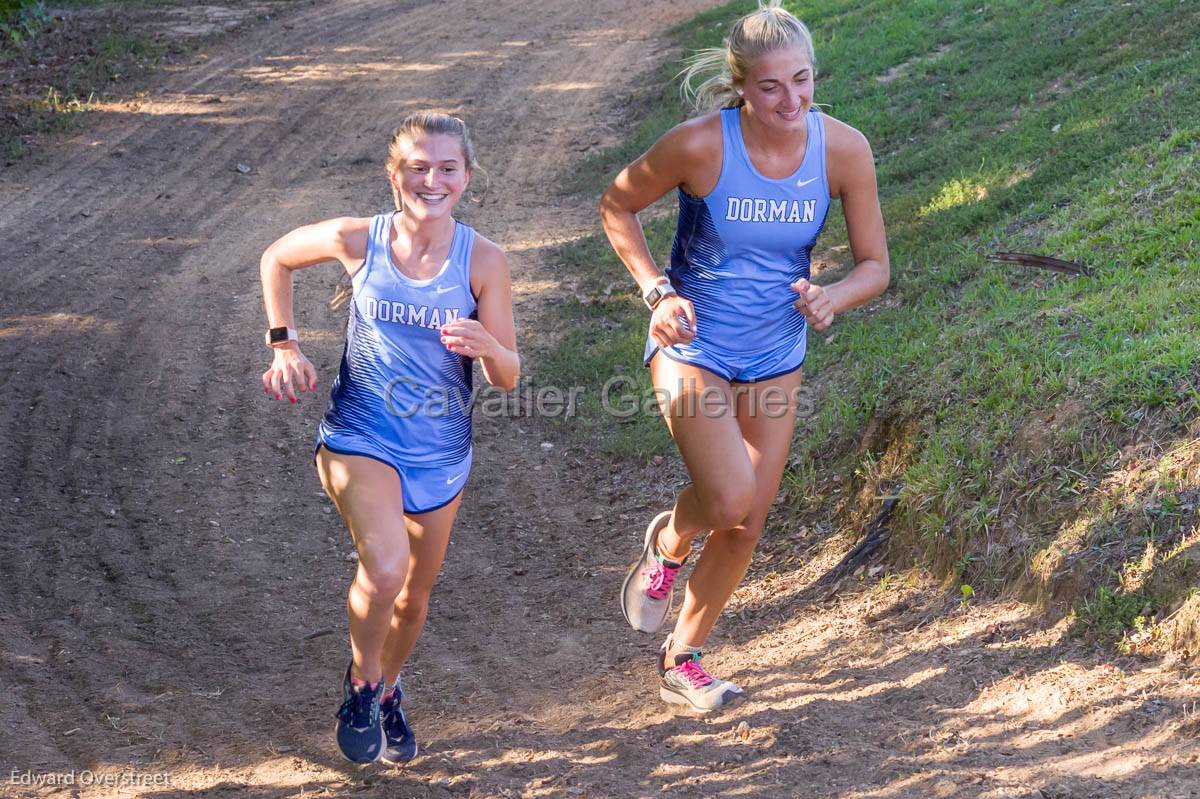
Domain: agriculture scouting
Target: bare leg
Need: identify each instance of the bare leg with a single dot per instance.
(367, 495)
(428, 535)
(699, 409)
(766, 440)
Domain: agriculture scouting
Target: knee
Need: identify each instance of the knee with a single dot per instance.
(381, 577)
(411, 609)
(728, 504)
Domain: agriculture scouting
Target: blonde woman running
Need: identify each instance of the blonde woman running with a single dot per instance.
(394, 448)
(729, 318)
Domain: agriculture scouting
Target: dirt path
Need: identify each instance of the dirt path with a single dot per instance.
(173, 577)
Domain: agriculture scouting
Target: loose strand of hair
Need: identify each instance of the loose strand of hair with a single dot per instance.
(715, 88)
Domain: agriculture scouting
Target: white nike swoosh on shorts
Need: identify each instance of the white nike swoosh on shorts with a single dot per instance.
(455, 478)
(804, 182)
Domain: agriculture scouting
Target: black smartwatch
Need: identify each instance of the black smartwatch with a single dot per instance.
(656, 293)
(278, 335)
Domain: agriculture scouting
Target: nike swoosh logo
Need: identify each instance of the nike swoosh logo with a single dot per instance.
(455, 478)
(804, 182)
(444, 289)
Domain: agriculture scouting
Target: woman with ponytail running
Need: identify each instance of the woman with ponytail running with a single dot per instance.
(727, 335)
(430, 297)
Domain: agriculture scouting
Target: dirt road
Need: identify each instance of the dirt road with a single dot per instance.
(171, 621)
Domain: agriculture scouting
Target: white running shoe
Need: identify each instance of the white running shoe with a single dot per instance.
(648, 591)
(687, 683)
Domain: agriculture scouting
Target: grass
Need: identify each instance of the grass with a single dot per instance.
(61, 64)
(20, 20)
(1061, 129)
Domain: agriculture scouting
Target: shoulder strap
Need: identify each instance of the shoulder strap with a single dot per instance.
(732, 143)
(460, 254)
(816, 135)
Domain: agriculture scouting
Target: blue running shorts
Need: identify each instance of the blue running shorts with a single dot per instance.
(423, 488)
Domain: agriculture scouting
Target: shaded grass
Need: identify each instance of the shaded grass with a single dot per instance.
(1063, 129)
(63, 62)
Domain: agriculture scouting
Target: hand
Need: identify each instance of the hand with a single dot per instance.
(289, 371)
(814, 303)
(469, 338)
(673, 321)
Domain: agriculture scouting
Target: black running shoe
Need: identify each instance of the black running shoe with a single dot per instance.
(401, 741)
(360, 734)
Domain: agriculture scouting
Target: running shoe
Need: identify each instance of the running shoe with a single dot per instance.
(401, 742)
(360, 734)
(648, 590)
(687, 683)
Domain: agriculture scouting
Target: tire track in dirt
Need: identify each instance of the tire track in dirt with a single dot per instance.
(156, 565)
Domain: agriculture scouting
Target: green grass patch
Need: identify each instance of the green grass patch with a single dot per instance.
(20, 20)
(1064, 129)
(119, 55)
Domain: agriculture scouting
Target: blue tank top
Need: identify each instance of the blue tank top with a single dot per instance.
(738, 249)
(398, 384)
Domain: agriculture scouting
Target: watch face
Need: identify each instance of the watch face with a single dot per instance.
(278, 334)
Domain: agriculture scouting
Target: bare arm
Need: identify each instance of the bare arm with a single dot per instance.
(344, 240)
(492, 338)
(851, 170)
(684, 157)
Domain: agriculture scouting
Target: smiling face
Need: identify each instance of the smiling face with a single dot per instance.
(778, 88)
(430, 174)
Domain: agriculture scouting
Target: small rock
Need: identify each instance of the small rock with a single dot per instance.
(352, 556)
(658, 460)
(743, 730)
(547, 446)
(243, 168)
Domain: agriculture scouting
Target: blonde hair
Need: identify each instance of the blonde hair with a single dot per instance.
(427, 122)
(770, 28)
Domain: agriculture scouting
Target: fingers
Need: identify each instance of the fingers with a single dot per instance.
(469, 338)
(310, 377)
(814, 303)
(681, 328)
(688, 317)
(468, 346)
(673, 322)
(288, 379)
(461, 327)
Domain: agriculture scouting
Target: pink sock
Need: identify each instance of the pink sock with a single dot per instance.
(357, 683)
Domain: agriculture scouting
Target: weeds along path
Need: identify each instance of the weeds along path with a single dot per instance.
(173, 578)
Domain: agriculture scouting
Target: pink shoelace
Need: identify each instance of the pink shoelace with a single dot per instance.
(694, 673)
(659, 578)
